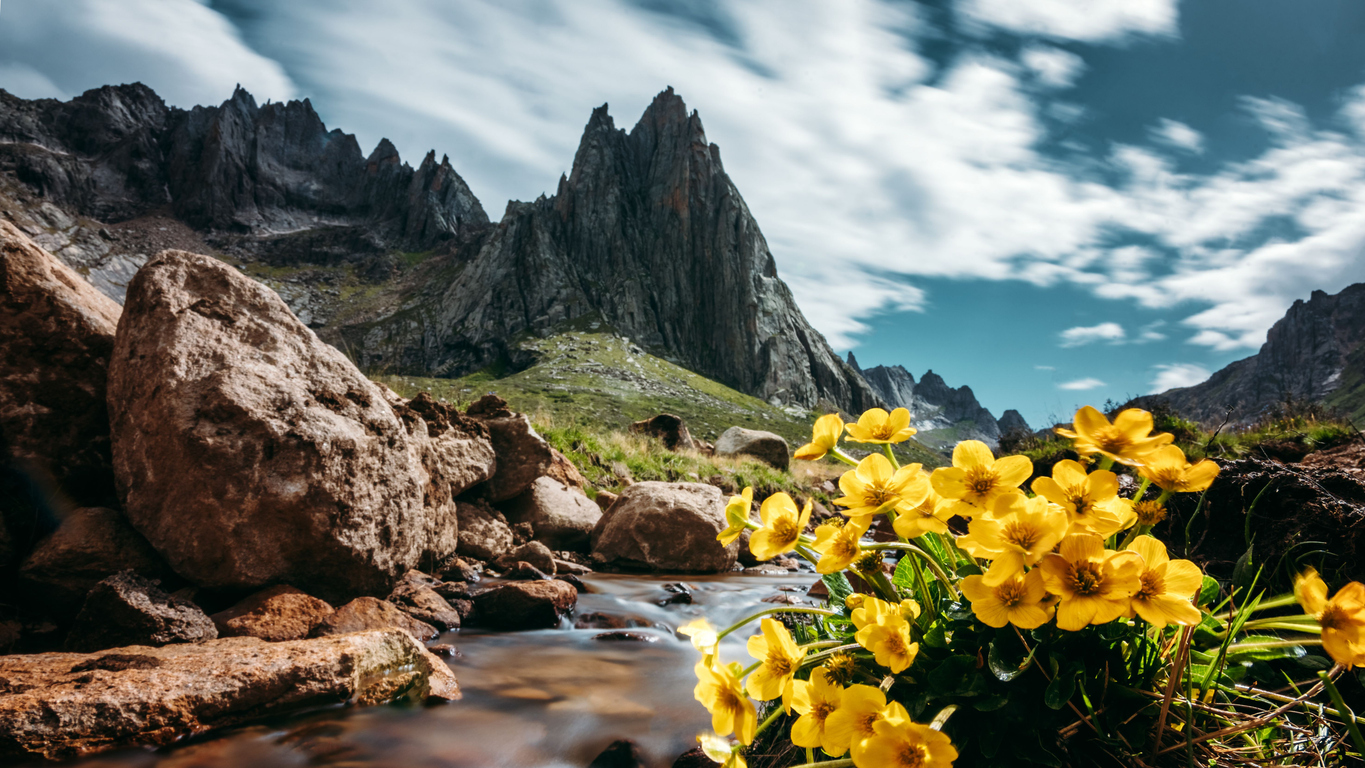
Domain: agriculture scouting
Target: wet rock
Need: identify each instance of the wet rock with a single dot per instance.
(622, 753)
(62, 705)
(597, 620)
(525, 605)
(694, 758)
(764, 446)
(366, 613)
(570, 567)
(453, 590)
(460, 570)
(573, 581)
(668, 429)
(522, 571)
(605, 499)
(445, 649)
(766, 569)
(561, 518)
(252, 453)
(665, 527)
(789, 563)
(127, 609)
(623, 636)
(56, 336)
(745, 555)
(678, 594)
(565, 471)
(421, 602)
(533, 553)
(276, 614)
(523, 455)
(484, 532)
(90, 545)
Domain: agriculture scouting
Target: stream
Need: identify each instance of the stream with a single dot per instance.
(553, 698)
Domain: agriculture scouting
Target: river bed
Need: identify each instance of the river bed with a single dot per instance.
(553, 698)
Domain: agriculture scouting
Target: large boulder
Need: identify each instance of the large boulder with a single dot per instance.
(562, 519)
(484, 532)
(764, 446)
(276, 614)
(525, 605)
(90, 545)
(127, 609)
(366, 613)
(523, 455)
(665, 527)
(63, 705)
(669, 429)
(251, 453)
(56, 336)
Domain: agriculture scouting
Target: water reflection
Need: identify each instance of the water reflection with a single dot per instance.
(546, 698)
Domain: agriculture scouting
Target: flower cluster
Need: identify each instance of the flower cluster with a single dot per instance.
(1066, 552)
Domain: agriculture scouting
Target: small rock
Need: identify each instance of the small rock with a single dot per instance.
(596, 620)
(460, 570)
(90, 545)
(366, 613)
(522, 533)
(483, 532)
(783, 599)
(679, 595)
(423, 603)
(764, 446)
(275, 614)
(559, 517)
(668, 429)
(665, 527)
(605, 499)
(570, 567)
(458, 590)
(694, 758)
(127, 609)
(445, 649)
(766, 569)
(532, 552)
(525, 605)
(573, 581)
(620, 754)
(564, 471)
(620, 635)
(790, 563)
(524, 571)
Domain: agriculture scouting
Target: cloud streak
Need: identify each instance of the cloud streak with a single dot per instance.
(1082, 335)
(1081, 384)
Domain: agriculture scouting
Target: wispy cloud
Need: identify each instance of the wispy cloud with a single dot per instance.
(1082, 335)
(1172, 375)
(1098, 21)
(1081, 384)
(1044, 368)
(1054, 67)
(1176, 134)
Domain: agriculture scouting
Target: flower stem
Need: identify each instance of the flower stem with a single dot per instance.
(839, 454)
(1274, 602)
(891, 455)
(925, 556)
(771, 611)
(777, 710)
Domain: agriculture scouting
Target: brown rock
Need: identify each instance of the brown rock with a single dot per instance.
(252, 453)
(276, 614)
(565, 472)
(523, 455)
(561, 519)
(90, 545)
(765, 446)
(423, 603)
(525, 605)
(533, 553)
(366, 613)
(665, 527)
(484, 532)
(61, 705)
(127, 609)
(56, 335)
(669, 429)
(605, 499)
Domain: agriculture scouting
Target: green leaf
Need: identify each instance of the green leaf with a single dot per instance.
(936, 636)
(904, 577)
(990, 703)
(838, 586)
(953, 676)
(1208, 591)
(1061, 689)
(1245, 570)
(1247, 649)
(1006, 670)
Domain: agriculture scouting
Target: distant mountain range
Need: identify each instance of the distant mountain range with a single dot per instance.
(402, 268)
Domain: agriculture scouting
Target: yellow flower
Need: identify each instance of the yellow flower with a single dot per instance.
(1126, 441)
(929, 516)
(872, 610)
(824, 436)
(719, 690)
(899, 743)
(737, 516)
(1091, 501)
(977, 478)
(1167, 468)
(874, 486)
(860, 708)
(878, 426)
(1166, 586)
(781, 529)
(1016, 598)
(1342, 618)
(1018, 533)
(780, 656)
(1094, 583)
(720, 750)
(889, 640)
(815, 700)
(1149, 512)
(838, 544)
(703, 635)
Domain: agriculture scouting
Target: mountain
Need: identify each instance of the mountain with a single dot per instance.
(943, 415)
(1314, 353)
(400, 266)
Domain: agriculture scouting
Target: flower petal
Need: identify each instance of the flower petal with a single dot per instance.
(973, 453)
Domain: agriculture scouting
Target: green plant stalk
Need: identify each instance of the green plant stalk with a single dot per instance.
(771, 611)
(1281, 698)
(1274, 602)
(839, 454)
(1350, 721)
(1271, 644)
(777, 710)
(879, 582)
(890, 455)
(822, 655)
(1142, 488)
(925, 556)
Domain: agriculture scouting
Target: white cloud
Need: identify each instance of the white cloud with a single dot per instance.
(1044, 368)
(1172, 375)
(1097, 21)
(1176, 134)
(1082, 335)
(1151, 332)
(1081, 384)
(1054, 67)
(187, 52)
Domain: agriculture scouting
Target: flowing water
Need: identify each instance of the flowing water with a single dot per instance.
(544, 698)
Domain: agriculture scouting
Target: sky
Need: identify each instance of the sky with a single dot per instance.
(1054, 206)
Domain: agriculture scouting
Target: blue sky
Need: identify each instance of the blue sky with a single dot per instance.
(1053, 205)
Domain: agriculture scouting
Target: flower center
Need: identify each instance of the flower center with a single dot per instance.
(845, 547)
(913, 756)
(1333, 617)
(1149, 512)
(1077, 497)
(981, 480)
(1153, 586)
(821, 712)
(730, 700)
(779, 664)
(865, 724)
(1020, 535)
(882, 431)
(878, 495)
(1011, 593)
(1111, 439)
(895, 644)
(1086, 578)
(784, 530)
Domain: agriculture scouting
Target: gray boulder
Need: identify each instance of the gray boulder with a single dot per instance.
(665, 527)
(90, 545)
(562, 518)
(127, 609)
(764, 446)
(523, 455)
(484, 532)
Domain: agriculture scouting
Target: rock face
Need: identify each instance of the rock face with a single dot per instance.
(92, 544)
(1012, 421)
(127, 609)
(276, 614)
(1312, 354)
(56, 336)
(251, 453)
(421, 602)
(943, 415)
(764, 446)
(562, 519)
(525, 605)
(62, 705)
(367, 613)
(665, 527)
